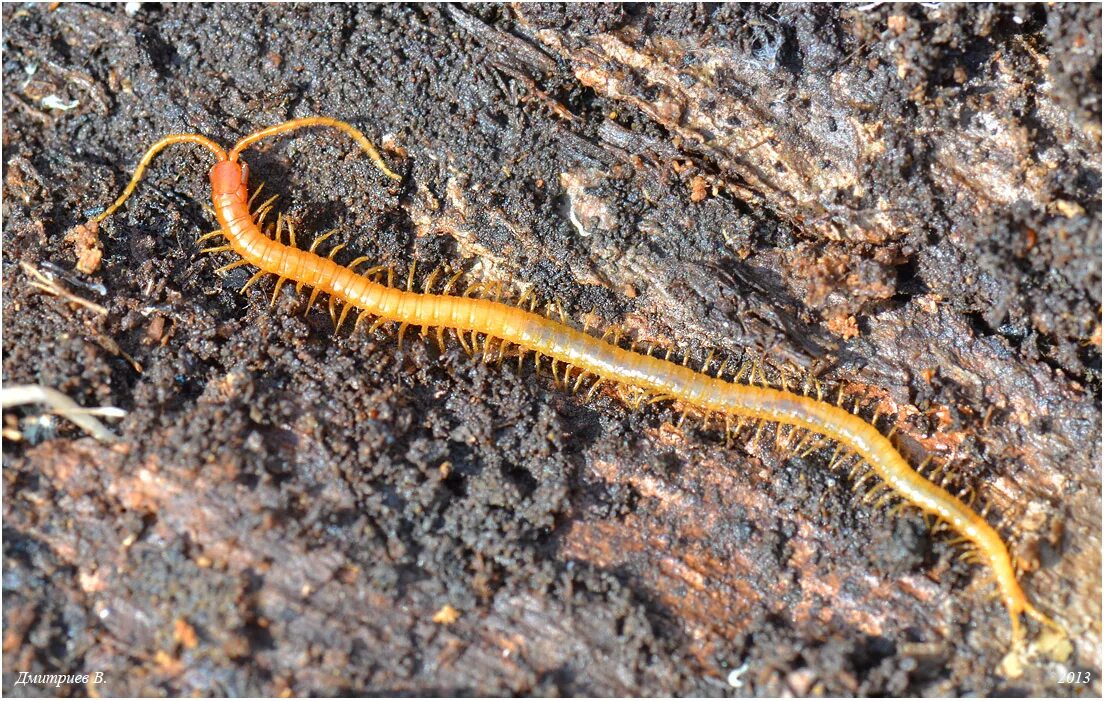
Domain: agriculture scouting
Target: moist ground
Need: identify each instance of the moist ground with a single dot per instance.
(903, 201)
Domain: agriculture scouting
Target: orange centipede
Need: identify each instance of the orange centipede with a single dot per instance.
(601, 360)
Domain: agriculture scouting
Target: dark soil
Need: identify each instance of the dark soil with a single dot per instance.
(902, 200)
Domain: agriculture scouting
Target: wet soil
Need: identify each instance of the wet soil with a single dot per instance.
(903, 201)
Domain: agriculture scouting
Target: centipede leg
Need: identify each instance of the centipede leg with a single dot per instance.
(487, 349)
(279, 227)
(264, 206)
(256, 276)
(341, 319)
(254, 196)
(448, 288)
(360, 318)
(884, 498)
(320, 239)
(276, 290)
(291, 234)
(594, 388)
(377, 324)
(335, 250)
(462, 338)
(210, 234)
(311, 301)
(235, 264)
(402, 330)
(759, 431)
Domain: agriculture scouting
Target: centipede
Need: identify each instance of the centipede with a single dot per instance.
(577, 357)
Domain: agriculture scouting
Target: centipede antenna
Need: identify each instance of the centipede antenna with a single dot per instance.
(157, 147)
(305, 122)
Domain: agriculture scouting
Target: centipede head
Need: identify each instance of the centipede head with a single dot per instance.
(229, 178)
